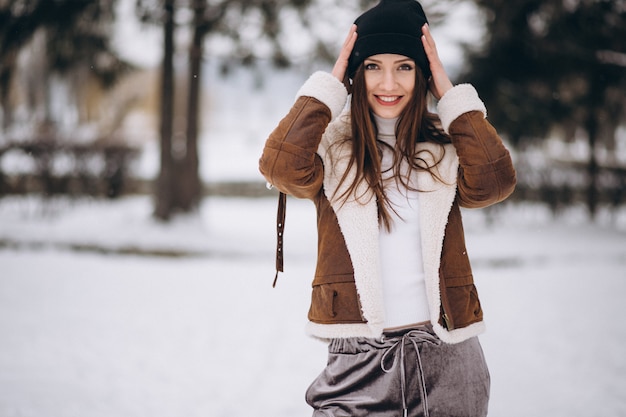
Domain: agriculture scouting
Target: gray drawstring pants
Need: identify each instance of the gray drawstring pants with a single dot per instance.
(406, 373)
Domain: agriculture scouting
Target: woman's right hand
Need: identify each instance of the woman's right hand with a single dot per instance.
(439, 82)
(341, 65)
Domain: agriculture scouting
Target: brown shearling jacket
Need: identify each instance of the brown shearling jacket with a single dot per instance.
(305, 156)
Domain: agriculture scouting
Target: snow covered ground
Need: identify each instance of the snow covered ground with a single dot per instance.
(93, 324)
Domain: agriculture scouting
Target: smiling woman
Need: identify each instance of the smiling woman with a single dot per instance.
(393, 289)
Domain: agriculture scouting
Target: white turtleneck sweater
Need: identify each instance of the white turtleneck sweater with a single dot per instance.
(400, 249)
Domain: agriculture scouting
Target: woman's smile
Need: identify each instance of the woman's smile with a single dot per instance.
(388, 100)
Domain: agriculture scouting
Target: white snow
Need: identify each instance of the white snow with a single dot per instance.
(97, 332)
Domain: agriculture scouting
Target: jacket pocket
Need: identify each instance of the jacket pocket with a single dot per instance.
(335, 303)
(463, 302)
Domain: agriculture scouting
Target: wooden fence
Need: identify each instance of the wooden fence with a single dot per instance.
(51, 168)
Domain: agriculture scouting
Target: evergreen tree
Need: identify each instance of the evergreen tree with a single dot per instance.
(548, 63)
(77, 36)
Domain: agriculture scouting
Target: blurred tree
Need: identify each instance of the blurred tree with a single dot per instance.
(165, 192)
(548, 63)
(178, 187)
(76, 35)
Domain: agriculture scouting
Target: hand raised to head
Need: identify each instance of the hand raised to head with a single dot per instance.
(341, 65)
(439, 82)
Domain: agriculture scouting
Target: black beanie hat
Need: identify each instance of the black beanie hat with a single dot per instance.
(391, 27)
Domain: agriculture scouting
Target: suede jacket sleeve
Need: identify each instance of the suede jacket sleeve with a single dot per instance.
(289, 160)
(486, 173)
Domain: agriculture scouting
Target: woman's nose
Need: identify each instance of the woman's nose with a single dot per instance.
(388, 81)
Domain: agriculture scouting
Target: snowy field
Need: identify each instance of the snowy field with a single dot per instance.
(94, 324)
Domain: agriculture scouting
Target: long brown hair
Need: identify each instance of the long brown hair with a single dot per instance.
(415, 124)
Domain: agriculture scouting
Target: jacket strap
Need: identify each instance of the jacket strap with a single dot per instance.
(280, 228)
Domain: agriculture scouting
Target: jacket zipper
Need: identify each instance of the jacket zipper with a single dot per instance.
(446, 319)
(444, 306)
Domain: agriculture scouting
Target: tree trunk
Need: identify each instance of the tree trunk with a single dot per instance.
(189, 184)
(5, 81)
(592, 165)
(165, 181)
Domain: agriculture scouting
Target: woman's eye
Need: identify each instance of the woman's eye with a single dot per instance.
(406, 67)
(371, 66)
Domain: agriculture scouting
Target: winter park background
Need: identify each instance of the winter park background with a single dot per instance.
(105, 312)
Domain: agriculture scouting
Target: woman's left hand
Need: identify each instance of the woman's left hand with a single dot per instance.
(439, 82)
(341, 65)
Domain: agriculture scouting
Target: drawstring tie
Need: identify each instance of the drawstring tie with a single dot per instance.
(415, 337)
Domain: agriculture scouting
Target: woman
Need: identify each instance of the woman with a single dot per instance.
(393, 291)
